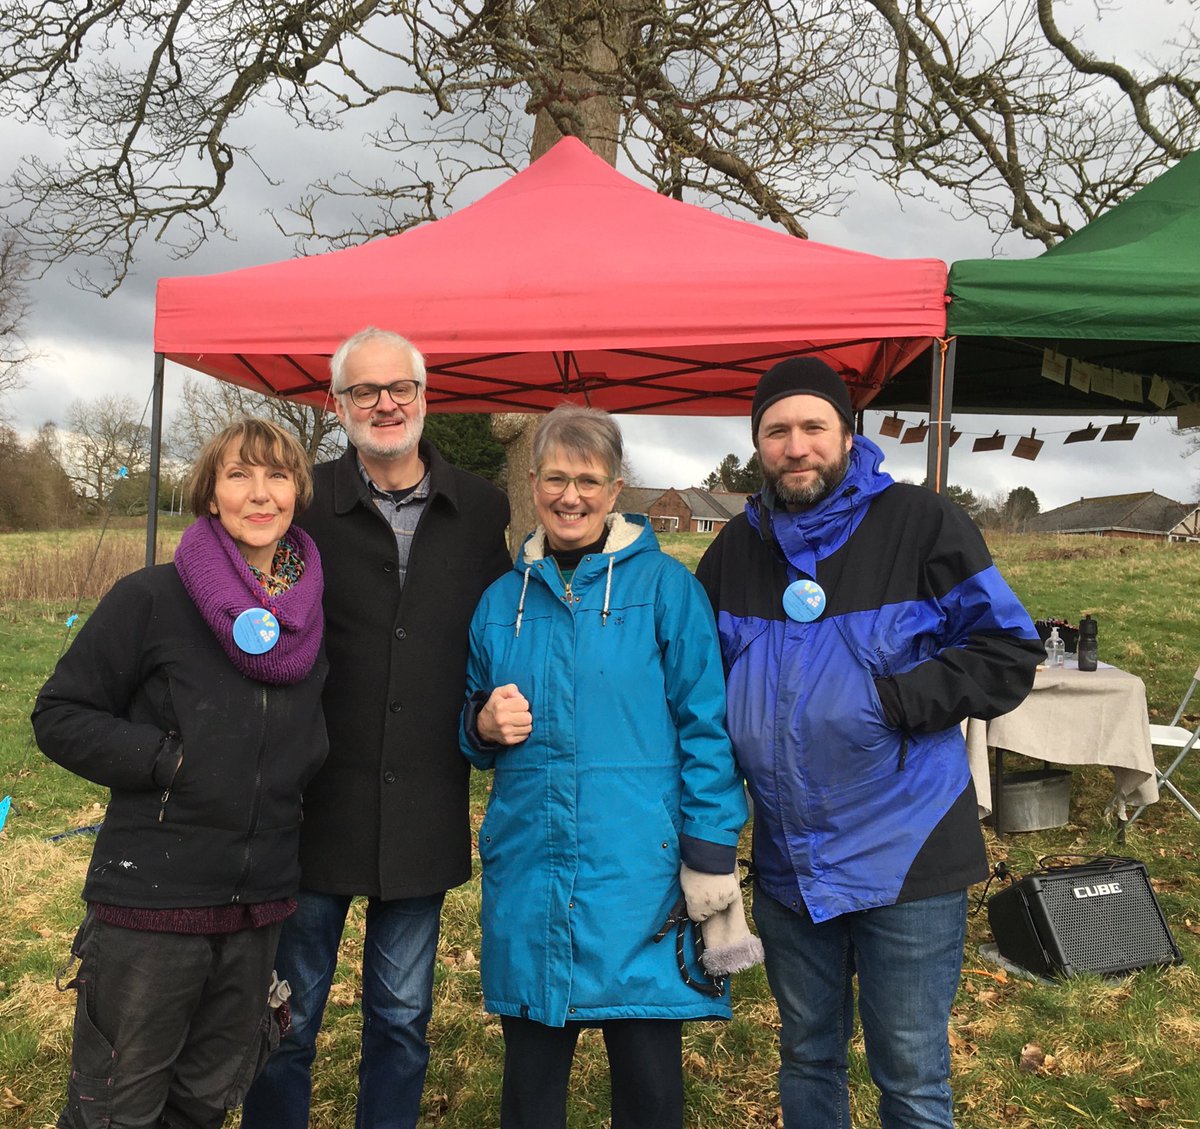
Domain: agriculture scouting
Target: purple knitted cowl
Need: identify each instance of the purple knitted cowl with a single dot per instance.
(221, 585)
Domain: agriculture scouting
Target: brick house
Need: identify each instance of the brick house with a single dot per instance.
(687, 511)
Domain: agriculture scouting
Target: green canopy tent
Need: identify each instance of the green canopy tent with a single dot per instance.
(1121, 294)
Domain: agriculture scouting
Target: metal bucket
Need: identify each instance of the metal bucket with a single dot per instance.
(1034, 800)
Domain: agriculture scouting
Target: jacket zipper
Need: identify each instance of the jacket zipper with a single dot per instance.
(567, 595)
(256, 807)
(162, 800)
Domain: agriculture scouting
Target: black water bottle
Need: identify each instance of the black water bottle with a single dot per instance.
(1087, 644)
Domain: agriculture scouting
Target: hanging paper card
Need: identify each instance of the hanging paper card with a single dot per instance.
(1188, 415)
(1122, 431)
(1081, 375)
(1160, 392)
(1104, 382)
(1028, 447)
(994, 442)
(1054, 366)
(1129, 386)
(1083, 435)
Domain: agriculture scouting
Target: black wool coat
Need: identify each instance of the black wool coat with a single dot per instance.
(387, 814)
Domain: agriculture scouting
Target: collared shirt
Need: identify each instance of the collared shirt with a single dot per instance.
(403, 510)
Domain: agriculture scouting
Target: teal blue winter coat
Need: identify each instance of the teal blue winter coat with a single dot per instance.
(581, 840)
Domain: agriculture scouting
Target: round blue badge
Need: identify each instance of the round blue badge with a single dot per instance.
(803, 600)
(255, 631)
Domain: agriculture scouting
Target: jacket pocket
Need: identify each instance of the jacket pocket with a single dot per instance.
(736, 635)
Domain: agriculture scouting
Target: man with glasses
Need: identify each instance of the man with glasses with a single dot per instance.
(408, 544)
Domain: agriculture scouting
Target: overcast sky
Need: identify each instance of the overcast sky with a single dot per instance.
(90, 345)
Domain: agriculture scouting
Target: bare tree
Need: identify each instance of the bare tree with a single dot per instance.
(105, 443)
(761, 105)
(765, 106)
(209, 405)
(14, 309)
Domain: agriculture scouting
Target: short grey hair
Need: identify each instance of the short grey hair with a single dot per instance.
(337, 363)
(584, 433)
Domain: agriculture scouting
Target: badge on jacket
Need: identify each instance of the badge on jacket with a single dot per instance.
(255, 631)
(803, 600)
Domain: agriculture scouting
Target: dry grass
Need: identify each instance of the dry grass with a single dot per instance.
(1117, 1053)
(63, 569)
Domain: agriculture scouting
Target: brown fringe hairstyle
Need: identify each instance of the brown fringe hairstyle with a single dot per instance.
(258, 442)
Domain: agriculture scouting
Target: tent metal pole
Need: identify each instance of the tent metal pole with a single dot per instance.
(941, 404)
(156, 413)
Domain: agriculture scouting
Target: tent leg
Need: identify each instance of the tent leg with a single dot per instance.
(156, 413)
(941, 403)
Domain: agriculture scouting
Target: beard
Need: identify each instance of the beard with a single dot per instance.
(379, 444)
(809, 494)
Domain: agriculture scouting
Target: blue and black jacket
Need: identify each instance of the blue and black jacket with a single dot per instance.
(848, 728)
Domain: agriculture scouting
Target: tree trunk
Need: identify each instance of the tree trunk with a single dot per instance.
(574, 108)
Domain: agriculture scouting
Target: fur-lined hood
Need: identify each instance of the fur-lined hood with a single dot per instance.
(628, 534)
(623, 531)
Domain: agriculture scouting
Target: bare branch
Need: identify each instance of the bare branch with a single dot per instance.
(763, 106)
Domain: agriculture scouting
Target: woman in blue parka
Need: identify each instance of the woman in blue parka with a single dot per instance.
(596, 695)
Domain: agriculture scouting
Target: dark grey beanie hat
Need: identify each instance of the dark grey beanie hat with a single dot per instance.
(799, 376)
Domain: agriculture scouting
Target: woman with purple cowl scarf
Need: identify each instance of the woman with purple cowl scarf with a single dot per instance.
(193, 693)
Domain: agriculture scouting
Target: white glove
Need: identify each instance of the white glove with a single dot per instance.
(707, 894)
(729, 946)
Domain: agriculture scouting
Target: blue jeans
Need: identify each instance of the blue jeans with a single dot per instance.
(397, 980)
(908, 958)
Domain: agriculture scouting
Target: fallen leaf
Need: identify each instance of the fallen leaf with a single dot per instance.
(1032, 1057)
(999, 975)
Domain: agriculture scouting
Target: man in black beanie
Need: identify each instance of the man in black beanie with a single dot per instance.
(861, 621)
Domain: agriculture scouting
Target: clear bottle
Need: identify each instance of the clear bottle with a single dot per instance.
(1055, 650)
(1088, 651)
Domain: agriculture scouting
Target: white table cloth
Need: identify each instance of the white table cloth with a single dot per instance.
(1074, 717)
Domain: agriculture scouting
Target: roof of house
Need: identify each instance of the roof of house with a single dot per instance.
(704, 504)
(638, 499)
(1145, 512)
(733, 504)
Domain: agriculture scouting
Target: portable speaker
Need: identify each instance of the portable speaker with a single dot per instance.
(1101, 916)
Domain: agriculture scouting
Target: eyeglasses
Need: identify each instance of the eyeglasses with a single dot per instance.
(586, 485)
(367, 395)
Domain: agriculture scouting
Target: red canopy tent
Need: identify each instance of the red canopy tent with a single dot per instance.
(567, 280)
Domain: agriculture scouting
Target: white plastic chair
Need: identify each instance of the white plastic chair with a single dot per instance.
(1175, 736)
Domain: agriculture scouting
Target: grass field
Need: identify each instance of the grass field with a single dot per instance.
(1112, 1054)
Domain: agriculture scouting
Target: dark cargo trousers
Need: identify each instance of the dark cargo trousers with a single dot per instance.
(170, 1029)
